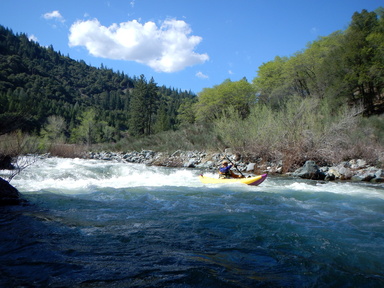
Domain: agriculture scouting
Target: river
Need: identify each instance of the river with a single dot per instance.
(92, 223)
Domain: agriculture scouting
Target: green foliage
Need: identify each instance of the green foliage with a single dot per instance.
(270, 83)
(54, 129)
(86, 132)
(214, 101)
(345, 67)
(186, 114)
(143, 105)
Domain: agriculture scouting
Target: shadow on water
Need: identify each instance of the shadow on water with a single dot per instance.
(43, 248)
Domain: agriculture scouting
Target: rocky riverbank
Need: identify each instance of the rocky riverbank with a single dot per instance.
(354, 170)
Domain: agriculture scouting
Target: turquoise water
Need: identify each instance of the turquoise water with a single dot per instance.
(102, 224)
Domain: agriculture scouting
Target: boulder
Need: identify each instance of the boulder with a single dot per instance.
(251, 167)
(332, 174)
(339, 172)
(191, 163)
(365, 175)
(9, 195)
(379, 176)
(309, 171)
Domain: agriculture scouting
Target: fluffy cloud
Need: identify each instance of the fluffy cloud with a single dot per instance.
(168, 48)
(54, 15)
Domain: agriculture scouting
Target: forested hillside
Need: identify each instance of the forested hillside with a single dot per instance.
(40, 88)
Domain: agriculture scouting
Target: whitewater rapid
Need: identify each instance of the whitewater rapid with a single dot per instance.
(71, 176)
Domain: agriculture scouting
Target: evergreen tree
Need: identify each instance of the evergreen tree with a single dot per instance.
(137, 108)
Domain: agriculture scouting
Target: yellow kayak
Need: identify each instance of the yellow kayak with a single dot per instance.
(256, 180)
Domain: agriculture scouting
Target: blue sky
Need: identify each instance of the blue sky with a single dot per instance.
(185, 44)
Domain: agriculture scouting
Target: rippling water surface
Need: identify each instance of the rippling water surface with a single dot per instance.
(102, 224)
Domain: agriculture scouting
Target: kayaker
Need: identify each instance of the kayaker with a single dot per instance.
(226, 172)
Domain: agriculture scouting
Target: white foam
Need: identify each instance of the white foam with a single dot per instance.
(73, 175)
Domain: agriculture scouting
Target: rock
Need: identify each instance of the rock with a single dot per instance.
(332, 174)
(358, 164)
(340, 172)
(377, 180)
(364, 175)
(309, 171)
(345, 173)
(379, 176)
(191, 163)
(250, 167)
(357, 177)
(379, 173)
(205, 165)
(9, 195)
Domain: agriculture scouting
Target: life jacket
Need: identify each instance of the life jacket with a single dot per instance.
(226, 174)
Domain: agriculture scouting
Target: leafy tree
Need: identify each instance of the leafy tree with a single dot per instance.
(270, 81)
(359, 55)
(86, 132)
(345, 67)
(214, 101)
(186, 113)
(54, 129)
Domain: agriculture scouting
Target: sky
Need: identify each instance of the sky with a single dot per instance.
(183, 44)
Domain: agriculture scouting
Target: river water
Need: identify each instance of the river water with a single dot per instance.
(93, 223)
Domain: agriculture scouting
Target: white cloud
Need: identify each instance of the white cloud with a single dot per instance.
(201, 75)
(54, 15)
(168, 48)
(32, 38)
(230, 72)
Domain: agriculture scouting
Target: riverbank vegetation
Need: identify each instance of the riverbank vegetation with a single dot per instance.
(323, 103)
